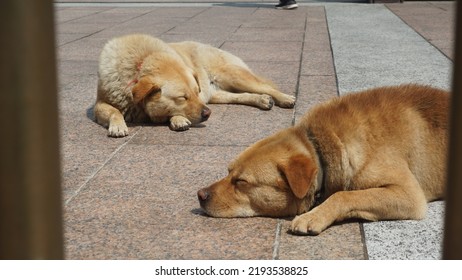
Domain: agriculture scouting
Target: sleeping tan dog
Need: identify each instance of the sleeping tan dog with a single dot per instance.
(375, 155)
(142, 78)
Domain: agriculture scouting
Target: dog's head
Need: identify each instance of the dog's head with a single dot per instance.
(167, 88)
(275, 177)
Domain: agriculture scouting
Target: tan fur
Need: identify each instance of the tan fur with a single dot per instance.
(142, 78)
(221, 74)
(375, 155)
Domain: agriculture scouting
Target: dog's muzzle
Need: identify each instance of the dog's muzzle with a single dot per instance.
(203, 195)
(205, 114)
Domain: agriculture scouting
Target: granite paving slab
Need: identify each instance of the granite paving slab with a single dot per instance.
(143, 205)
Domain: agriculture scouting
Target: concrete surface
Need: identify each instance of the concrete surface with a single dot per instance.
(135, 198)
(371, 39)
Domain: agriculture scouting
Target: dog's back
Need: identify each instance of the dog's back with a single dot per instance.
(197, 54)
(363, 136)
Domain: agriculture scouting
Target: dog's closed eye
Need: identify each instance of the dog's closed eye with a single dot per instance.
(181, 99)
(240, 183)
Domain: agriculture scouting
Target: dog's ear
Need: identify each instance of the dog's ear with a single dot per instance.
(142, 88)
(300, 172)
(196, 77)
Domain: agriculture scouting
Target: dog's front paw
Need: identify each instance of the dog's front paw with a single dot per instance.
(117, 129)
(286, 101)
(309, 223)
(265, 102)
(179, 123)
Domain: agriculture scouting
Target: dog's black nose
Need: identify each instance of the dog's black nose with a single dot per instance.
(203, 195)
(205, 114)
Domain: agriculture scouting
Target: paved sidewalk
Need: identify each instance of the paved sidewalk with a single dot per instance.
(135, 197)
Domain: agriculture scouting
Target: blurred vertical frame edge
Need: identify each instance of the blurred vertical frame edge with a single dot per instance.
(30, 181)
(452, 244)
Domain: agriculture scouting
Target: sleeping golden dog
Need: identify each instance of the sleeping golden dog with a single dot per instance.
(375, 155)
(141, 78)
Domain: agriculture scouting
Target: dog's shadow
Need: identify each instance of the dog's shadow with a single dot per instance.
(90, 113)
(91, 116)
(201, 212)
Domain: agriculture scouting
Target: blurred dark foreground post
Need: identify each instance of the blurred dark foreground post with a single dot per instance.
(30, 195)
(452, 247)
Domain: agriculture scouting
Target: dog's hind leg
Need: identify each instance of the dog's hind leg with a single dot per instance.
(238, 79)
(261, 101)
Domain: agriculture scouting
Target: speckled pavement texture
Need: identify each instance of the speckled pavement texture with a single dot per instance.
(135, 197)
